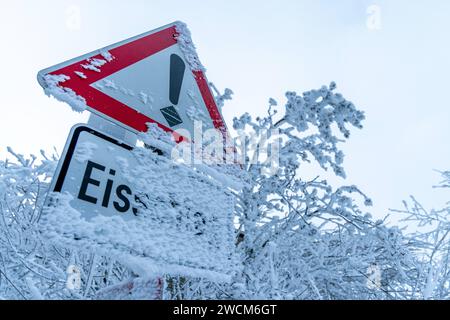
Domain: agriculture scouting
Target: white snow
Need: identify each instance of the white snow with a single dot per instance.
(99, 85)
(35, 293)
(90, 67)
(195, 114)
(127, 91)
(52, 88)
(53, 82)
(135, 289)
(285, 248)
(81, 74)
(181, 231)
(94, 64)
(97, 62)
(145, 98)
(123, 163)
(187, 47)
(110, 84)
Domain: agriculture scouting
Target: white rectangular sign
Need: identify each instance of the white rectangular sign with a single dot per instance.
(112, 199)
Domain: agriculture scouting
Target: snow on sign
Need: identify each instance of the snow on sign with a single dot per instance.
(155, 77)
(139, 206)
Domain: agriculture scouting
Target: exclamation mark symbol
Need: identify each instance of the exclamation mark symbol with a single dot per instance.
(177, 68)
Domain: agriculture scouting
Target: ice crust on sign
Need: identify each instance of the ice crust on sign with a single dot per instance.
(146, 98)
(85, 151)
(178, 229)
(94, 64)
(107, 55)
(52, 83)
(81, 74)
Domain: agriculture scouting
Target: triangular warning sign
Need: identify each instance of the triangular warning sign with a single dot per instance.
(155, 77)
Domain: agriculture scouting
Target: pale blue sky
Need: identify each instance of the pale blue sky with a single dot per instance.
(260, 49)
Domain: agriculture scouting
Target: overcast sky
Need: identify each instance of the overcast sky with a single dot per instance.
(391, 58)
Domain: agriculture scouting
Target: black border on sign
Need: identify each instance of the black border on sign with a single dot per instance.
(70, 150)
